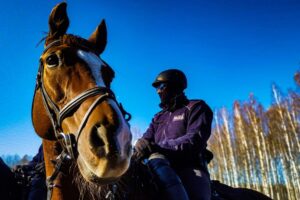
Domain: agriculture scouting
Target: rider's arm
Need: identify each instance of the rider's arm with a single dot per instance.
(149, 134)
(198, 130)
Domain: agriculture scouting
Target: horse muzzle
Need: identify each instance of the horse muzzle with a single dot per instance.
(105, 149)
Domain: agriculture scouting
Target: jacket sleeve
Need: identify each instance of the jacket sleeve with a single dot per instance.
(198, 130)
(149, 134)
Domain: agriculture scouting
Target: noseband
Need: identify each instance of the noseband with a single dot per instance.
(69, 141)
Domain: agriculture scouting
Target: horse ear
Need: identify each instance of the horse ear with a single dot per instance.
(40, 120)
(58, 21)
(99, 37)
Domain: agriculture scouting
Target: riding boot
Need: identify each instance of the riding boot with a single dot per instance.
(167, 180)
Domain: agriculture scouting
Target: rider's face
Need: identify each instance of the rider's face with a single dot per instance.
(164, 92)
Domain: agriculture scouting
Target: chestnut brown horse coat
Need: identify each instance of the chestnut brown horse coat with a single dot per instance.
(73, 100)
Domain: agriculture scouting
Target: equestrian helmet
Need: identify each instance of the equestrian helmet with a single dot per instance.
(174, 77)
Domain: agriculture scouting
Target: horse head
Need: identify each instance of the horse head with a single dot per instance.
(74, 105)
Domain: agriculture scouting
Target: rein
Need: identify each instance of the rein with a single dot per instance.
(69, 141)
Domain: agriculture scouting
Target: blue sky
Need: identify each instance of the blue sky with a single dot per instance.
(228, 49)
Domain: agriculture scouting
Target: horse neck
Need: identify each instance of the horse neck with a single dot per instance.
(66, 189)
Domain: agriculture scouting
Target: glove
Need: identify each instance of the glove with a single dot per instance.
(142, 148)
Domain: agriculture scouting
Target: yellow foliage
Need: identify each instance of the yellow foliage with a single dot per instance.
(257, 148)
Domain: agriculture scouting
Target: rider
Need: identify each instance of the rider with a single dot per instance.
(175, 142)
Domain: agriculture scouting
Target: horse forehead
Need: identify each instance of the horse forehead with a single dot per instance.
(94, 63)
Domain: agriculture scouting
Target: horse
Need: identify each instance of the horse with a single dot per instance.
(83, 128)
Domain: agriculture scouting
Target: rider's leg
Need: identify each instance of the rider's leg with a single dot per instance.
(196, 182)
(166, 178)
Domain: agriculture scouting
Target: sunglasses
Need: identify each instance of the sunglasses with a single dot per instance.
(161, 86)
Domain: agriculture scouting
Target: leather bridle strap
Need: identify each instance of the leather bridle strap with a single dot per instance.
(70, 140)
(87, 114)
(59, 162)
(77, 101)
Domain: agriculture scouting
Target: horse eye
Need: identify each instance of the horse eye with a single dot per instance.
(52, 60)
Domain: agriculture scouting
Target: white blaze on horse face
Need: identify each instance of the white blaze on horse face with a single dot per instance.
(95, 64)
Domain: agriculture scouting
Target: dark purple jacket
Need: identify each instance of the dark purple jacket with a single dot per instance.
(182, 133)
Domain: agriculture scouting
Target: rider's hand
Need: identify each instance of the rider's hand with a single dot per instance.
(142, 148)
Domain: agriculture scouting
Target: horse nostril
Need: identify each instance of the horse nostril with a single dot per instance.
(97, 143)
(95, 139)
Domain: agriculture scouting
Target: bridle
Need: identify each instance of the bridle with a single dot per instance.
(69, 141)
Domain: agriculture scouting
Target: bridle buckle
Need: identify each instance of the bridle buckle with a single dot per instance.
(69, 142)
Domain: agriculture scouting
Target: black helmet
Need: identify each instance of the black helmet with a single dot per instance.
(174, 77)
